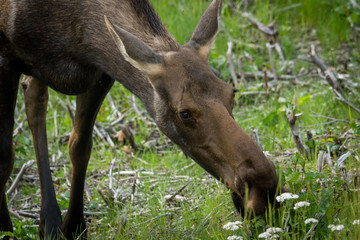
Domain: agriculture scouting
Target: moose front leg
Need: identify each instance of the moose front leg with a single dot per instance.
(87, 107)
(9, 81)
(36, 99)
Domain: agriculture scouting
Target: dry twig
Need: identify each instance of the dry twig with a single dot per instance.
(19, 176)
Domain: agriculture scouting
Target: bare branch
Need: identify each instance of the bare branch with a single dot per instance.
(270, 30)
(19, 176)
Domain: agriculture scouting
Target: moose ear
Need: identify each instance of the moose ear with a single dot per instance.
(135, 51)
(206, 30)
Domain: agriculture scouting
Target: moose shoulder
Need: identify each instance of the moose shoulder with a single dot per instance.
(81, 48)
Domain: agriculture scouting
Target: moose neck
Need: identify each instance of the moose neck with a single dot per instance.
(141, 20)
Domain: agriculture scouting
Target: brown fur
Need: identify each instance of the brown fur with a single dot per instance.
(68, 46)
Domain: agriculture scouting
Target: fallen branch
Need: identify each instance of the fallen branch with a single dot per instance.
(330, 76)
(19, 214)
(270, 30)
(254, 93)
(342, 99)
(270, 76)
(19, 176)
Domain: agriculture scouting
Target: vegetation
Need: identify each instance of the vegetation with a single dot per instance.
(155, 192)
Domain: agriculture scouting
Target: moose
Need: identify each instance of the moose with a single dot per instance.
(81, 48)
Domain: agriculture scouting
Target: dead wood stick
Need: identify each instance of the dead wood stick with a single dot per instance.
(354, 4)
(231, 65)
(270, 47)
(176, 193)
(270, 76)
(87, 191)
(82, 233)
(292, 117)
(56, 129)
(103, 197)
(255, 132)
(265, 79)
(352, 25)
(19, 176)
(280, 52)
(111, 186)
(254, 93)
(342, 99)
(330, 76)
(241, 73)
(329, 118)
(269, 30)
(25, 214)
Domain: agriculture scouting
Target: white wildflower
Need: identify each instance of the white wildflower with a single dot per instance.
(286, 196)
(356, 222)
(336, 227)
(233, 226)
(234, 238)
(301, 204)
(270, 233)
(281, 100)
(311, 220)
(274, 230)
(265, 235)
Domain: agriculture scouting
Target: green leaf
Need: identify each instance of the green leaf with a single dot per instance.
(7, 234)
(310, 143)
(271, 119)
(294, 177)
(304, 99)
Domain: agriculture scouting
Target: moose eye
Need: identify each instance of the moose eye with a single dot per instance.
(185, 115)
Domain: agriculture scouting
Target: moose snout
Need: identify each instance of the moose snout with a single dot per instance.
(256, 198)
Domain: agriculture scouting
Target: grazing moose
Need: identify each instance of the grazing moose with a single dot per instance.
(81, 48)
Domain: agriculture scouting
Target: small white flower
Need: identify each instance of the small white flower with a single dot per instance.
(265, 235)
(336, 227)
(273, 230)
(270, 233)
(234, 238)
(286, 196)
(281, 100)
(311, 220)
(301, 204)
(233, 226)
(356, 222)
(177, 198)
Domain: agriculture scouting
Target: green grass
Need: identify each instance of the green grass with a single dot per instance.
(139, 200)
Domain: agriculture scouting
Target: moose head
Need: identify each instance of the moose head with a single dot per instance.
(194, 109)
